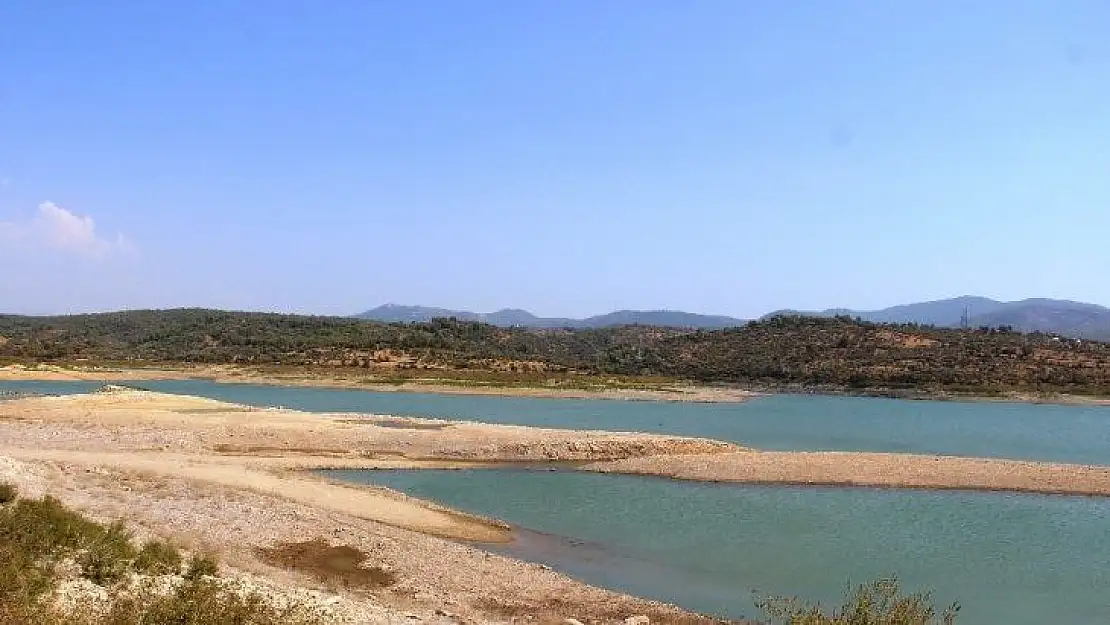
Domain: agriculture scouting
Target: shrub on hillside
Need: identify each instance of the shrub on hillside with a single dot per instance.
(158, 557)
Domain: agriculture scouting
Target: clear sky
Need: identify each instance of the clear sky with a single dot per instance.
(569, 157)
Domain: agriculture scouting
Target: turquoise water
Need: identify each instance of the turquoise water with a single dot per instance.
(784, 422)
(1011, 559)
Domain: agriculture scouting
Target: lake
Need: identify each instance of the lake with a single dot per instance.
(1007, 558)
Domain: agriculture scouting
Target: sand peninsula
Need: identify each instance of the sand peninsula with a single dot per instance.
(233, 479)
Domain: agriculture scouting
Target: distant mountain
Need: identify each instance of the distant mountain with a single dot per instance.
(1066, 318)
(944, 313)
(666, 318)
(393, 313)
(507, 317)
(515, 317)
(1063, 317)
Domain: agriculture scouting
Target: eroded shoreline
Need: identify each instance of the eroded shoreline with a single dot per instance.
(444, 385)
(675, 391)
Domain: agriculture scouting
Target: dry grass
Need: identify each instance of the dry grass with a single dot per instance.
(224, 448)
(397, 424)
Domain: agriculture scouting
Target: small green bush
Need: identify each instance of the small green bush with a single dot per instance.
(158, 558)
(40, 526)
(879, 603)
(201, 566)
(108, 555)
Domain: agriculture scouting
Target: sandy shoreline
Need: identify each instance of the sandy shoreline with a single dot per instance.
(444, 385)
(875, 470)
(226, 374)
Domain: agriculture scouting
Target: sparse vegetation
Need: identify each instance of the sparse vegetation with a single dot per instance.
(780, 352)
(881, 602)
(202, 566)
(158, 557)
(200, 602)
(38, 535)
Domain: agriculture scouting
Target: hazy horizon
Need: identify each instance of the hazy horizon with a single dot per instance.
(569, 159)
(536, 313)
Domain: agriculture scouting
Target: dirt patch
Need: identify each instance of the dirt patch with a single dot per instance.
(500, 607)
(218, 410)
(555, 609)
(334, 565)
(401, 424)
(902, 339)
(377, 454)
(274, 451)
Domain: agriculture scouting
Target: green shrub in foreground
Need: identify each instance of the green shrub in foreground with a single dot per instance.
(879, 603)
(201, 601)
(158, 557)
(35, 534)
(202, 566)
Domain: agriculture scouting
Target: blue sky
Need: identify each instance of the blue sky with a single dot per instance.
(567, 157)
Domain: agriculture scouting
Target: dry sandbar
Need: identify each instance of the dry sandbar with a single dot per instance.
(884, 470)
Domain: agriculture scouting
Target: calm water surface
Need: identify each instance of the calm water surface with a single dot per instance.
(1011, 559)
(784, 422)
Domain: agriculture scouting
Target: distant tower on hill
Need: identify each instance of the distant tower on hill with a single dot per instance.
(965, 318)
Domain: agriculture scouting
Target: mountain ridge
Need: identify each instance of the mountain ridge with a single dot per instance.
(831, 353)
(1053, 316)
(512, 317)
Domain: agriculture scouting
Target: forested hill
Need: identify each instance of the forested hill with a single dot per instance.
(777, 351)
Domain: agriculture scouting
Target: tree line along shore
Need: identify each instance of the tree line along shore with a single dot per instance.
(791, 352)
